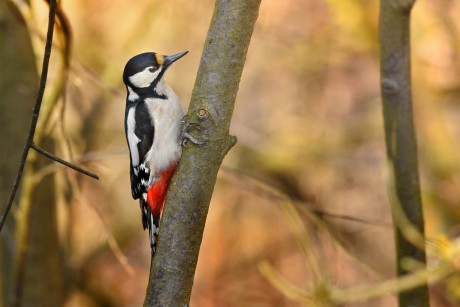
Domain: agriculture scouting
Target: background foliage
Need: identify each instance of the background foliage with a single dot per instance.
(308, 120)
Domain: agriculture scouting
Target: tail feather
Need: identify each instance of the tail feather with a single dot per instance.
(151, 222)
(154, 228)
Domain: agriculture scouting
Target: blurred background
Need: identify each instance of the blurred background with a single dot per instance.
(308, 119)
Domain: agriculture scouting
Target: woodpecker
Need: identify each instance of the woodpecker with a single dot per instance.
(155, 131)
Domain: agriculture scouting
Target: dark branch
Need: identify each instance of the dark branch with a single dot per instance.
(68, 164)
(400, 138)
(35, 112)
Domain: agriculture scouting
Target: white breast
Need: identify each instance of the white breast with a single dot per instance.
(167, 115)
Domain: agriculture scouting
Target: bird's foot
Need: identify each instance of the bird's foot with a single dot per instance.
(186, 136)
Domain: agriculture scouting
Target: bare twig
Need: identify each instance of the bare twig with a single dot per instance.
(261, 188)
(68, 164)
(111, 241)
(333, 296)
(35, 113)
(400, 139)
(253, 184)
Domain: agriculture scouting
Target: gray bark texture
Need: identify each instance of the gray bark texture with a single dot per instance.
(400, 136)
(216, 86)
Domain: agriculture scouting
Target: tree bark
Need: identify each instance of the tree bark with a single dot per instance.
(400, 137)
(40, 278)
(40, 268)
(216, 86)
(17, 92)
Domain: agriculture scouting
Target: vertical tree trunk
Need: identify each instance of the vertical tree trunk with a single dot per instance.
(399, 135)
(41, 280)
(216, 86)
(18, 88)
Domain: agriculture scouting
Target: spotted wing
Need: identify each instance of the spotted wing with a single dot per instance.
(140, 132)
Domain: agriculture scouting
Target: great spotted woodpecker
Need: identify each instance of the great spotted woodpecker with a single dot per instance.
(155, 131)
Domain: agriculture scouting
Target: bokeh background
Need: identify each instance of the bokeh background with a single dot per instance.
(308, 119)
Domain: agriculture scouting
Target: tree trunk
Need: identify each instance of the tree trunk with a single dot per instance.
(18, 88)
(40, 267)
(216, 86)
(40, 279)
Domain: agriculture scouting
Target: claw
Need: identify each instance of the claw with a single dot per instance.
(193, 124)
(187, 136)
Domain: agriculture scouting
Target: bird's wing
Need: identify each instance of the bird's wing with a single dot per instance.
(140, 132)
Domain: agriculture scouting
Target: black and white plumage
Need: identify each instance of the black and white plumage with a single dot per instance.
(153, 131)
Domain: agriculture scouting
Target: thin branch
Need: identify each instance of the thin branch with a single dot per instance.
(35, 112)
(333, 296)
(400, 139)
(263, 188)
(68, 164)
(111, 241)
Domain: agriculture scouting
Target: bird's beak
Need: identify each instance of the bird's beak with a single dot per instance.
(169, 59)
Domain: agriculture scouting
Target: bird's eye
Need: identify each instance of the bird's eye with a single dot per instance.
(151, 69)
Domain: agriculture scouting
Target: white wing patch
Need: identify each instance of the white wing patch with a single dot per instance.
(144, 78)
(133, 140)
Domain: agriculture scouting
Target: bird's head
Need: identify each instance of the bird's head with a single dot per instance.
(145, 70)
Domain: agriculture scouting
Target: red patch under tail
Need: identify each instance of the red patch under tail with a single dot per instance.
(157, 192)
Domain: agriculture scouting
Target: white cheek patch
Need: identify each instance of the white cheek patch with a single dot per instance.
(144, 78)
